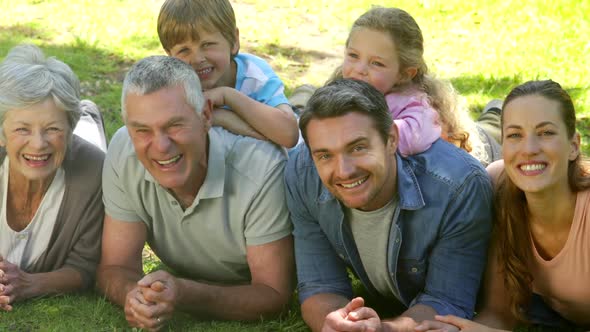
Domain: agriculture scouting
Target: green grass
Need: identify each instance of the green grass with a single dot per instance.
(483, 47)
(90, 312)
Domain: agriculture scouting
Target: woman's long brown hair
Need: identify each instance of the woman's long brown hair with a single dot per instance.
(512, 232)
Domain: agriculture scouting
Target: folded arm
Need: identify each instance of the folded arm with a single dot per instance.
(121, 264)
(232, 122)
(18, 285)
(267, 295)
(278, 124)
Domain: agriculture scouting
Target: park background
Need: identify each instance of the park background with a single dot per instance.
(483, 47)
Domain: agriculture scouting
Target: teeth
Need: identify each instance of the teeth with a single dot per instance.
(36, 158)
(532, 167)
(169, 161)
(354, 184)
(204, 71)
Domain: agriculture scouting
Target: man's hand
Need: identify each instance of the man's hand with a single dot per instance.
(452, 324)
(153, 301)
(131, 299)
(354, 317)
(14, 284)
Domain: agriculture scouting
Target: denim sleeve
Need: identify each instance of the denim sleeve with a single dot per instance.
(319, 269)
(458, 259)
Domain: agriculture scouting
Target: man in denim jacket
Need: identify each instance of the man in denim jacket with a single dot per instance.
(414, 230)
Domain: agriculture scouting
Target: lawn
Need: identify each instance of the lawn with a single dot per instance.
(483, 47)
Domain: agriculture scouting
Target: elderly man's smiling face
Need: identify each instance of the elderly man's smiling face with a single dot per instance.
(353, 161)
(169, 137)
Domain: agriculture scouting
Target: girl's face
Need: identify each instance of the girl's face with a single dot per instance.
(536, 147)
(371, 56)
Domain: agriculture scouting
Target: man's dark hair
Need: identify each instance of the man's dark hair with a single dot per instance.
(344, 96)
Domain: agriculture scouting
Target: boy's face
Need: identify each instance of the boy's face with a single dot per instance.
(210, 57)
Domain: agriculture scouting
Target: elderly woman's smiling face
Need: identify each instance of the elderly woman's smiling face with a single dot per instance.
(36, 139)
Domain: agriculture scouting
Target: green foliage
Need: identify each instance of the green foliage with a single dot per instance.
(483, 47)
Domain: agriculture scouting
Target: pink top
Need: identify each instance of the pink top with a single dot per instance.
(417, 122)
(564, 281)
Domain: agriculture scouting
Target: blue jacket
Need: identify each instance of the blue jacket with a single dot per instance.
(439, 235)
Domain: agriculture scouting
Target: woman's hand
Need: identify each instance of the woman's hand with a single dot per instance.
(15, 284)
(464, 325)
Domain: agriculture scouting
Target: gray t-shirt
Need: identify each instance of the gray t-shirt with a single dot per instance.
(241, 203)
(370, 231)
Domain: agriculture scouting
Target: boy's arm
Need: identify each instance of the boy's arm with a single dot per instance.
(234, 123)
(278, 124)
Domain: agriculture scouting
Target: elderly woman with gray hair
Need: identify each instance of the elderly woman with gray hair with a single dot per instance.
(51, 209)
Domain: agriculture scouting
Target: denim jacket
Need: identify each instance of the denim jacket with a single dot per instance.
(439, 234)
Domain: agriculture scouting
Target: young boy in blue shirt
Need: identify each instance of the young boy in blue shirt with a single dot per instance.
(246, 94)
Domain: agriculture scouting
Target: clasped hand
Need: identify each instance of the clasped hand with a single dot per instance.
(452, 323)
(152, 301)
(14, 284)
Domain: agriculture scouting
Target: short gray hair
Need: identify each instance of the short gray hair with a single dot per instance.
(27, 78)
(157, 72)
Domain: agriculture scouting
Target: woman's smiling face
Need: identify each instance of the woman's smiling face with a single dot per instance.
(36, 139)
(536, 146)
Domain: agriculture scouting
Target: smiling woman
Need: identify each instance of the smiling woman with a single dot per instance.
(50, 189)
(543, 201)
(539, 264)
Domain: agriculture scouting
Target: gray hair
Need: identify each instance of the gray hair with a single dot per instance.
(158, 72)
(27, 78)
(344, 96)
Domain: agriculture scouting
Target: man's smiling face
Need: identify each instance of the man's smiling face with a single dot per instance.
(353, 161)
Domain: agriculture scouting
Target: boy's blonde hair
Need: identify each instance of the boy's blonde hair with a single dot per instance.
(180, 20)
(458, 127)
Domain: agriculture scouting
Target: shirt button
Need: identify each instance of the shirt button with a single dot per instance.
(397, 240)
(414, 269)
(174, 203)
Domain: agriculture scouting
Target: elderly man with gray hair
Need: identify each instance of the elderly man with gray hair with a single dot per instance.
(209, 203)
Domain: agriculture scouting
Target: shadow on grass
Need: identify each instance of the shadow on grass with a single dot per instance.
(294, 53)
(499, 87)
(492, 87)
(291, 62)
(100, 71)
